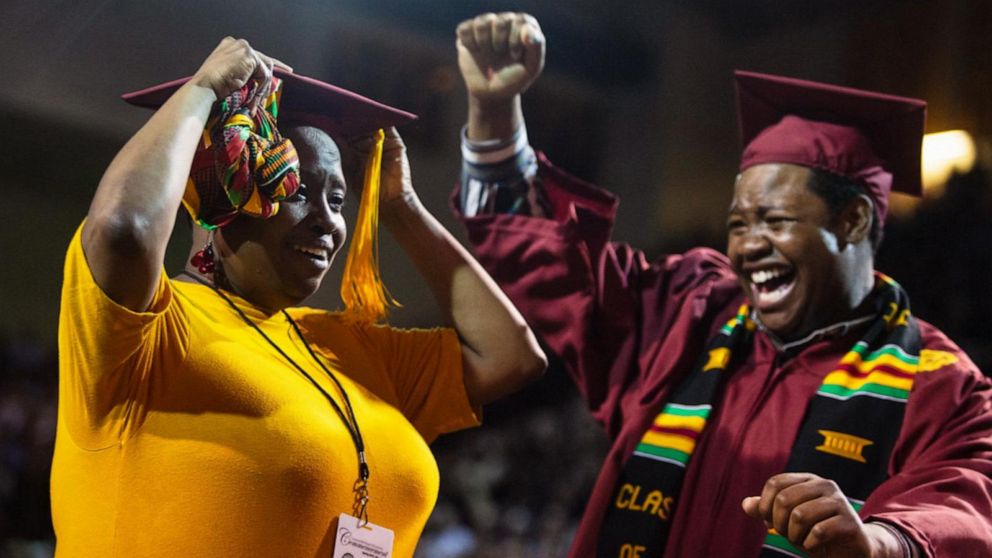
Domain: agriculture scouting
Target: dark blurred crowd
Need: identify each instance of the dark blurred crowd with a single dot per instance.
(516, 487)
(28, 395)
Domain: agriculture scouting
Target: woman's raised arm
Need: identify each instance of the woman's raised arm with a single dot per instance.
(499, 352)
(134, 209)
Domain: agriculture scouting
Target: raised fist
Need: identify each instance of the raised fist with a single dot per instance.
(500, 55)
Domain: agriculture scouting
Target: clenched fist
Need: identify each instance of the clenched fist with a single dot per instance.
(814, 515)
(500, 55)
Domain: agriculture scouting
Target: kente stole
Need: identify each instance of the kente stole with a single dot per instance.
(846, 435)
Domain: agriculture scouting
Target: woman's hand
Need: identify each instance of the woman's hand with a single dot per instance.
(499, 351)
(397, 184)
(232, 64)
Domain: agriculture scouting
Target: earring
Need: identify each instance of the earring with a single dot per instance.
(203, 260)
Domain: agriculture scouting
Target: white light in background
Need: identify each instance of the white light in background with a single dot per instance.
(943, 154)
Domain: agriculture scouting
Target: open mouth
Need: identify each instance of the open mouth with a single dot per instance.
(319, 256)
(770, 286)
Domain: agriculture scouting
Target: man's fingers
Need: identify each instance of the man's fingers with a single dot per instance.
(750, 505)
(466, 34)
(805, 516)
(533, 40)
(501, 33)
(483, 30)
(771, 489)
(804, 495)
(534, 33)
(516, 46)
(810, 511)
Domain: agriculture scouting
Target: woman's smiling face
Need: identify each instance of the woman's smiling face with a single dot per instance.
(278, 262)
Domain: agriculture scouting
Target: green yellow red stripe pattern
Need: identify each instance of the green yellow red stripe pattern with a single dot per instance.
(886, 373)
(673, 434)
(741, 318)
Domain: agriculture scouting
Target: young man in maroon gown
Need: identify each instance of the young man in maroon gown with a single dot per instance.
(777, 400)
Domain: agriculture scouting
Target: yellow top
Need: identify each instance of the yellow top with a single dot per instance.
(182, 432)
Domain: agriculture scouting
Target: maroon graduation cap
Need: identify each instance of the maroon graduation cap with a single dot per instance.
(305, 100)
(871, 138)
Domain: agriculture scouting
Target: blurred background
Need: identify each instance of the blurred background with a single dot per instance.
(636, 96)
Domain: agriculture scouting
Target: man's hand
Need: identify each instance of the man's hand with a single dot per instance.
(232, 64)
(500, 55)
(814, 515)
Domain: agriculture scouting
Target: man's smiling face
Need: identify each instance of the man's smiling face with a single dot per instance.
(783, 243)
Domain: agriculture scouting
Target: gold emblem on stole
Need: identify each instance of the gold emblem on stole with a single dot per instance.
(843, 445)
(717, 360)
(931, 360)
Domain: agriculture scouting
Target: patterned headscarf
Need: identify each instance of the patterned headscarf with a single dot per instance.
(242, 164)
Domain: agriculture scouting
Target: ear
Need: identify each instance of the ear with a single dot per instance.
(855, 220)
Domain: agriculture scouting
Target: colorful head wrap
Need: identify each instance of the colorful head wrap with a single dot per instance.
(242, 164)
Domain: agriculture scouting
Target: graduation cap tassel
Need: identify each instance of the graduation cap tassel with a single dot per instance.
(365, 297)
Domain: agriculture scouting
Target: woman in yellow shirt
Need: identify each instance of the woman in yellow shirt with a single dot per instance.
(209, 415)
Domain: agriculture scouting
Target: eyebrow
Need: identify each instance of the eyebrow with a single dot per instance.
(761, 209)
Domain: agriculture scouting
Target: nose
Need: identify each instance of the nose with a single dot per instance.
(755, 245)
(322, 218)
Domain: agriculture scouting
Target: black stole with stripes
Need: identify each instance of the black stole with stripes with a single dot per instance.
(846, 435)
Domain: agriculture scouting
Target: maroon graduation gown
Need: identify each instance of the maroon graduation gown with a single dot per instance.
(627, 330)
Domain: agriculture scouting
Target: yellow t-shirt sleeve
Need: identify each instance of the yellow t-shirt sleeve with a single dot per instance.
(425, 366)
(107, 354)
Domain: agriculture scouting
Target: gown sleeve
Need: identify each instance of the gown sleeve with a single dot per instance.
(594, 302)
(940, 492)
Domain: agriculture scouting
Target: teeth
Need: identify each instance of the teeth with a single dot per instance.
(763, 276)
(317, 252)
(772, 297)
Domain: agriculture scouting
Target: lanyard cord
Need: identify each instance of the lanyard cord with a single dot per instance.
(356, 433)
(361, 484)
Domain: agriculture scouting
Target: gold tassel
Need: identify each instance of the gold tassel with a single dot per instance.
(366, 299)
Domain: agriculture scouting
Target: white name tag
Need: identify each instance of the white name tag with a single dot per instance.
(370, 541)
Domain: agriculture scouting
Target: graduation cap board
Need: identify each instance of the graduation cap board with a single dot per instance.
(871, 138)
(337, 111)
(301, 101)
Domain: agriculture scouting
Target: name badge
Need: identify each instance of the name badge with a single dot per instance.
(369, 541)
